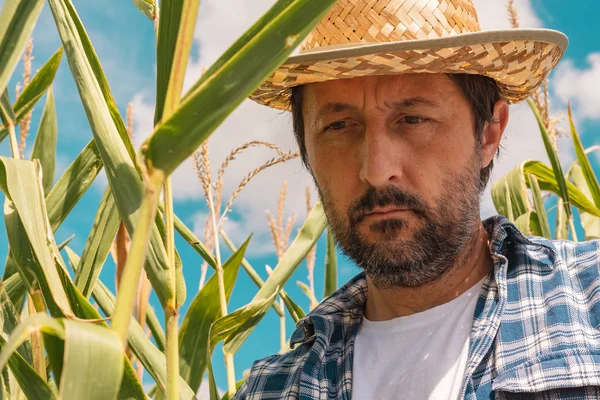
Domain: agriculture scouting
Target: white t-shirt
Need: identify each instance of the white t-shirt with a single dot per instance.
(420, 356)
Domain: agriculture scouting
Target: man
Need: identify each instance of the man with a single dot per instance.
(399, 107)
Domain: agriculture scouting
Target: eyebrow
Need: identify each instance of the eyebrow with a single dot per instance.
(336, 107)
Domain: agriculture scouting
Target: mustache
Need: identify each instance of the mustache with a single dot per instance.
(390, 196)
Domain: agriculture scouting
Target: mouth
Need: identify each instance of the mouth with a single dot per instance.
(388, 212)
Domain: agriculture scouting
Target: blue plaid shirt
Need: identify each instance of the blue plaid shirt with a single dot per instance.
(535, 335)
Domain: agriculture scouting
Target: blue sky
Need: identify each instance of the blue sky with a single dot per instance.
(124, 41)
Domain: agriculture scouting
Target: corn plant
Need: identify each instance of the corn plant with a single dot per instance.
(55, 342)
(578, 188)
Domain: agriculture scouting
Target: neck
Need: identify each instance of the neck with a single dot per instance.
(471, 266)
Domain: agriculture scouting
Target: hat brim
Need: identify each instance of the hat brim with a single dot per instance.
(518, 59)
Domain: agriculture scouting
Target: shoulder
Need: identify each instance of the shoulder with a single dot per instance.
(560, 280)
(276, 376)
(577, 259)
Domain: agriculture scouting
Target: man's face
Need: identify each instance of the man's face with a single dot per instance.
(396, 162)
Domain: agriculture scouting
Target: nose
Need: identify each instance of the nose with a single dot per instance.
(380, 158)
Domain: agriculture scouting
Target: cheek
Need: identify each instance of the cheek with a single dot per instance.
(337, 174)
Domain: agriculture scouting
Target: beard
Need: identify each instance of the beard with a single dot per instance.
(443, 233)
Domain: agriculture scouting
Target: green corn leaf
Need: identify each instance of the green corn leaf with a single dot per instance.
(242, 42)
(179, 45)
(10, 320)
(66, 242)
(16, 289)
(510, 196)
(156, 329)
(73, 184)
(113, 142)
(540, 210)
(236, 327)
(35, 323)
(168, 29)
(212, 384)
(189, 236)
(331, 267)
(205, 309)
(130, 388)
(98, 244)
(17, 20)
(68, 190)
(586, 168)
(293, 308)
(106, 300)
(34, 90)
(307, 292)
(153, 360)
(238, 385)
(232, 328)
(529, 224)
(39, 84)
(547, 181)
(31, 239)
(554, 160)
(44, 147)
(93, 362)
(31, 383)
(591, 223)
(6, 112)
(146, 7)
(176, 138)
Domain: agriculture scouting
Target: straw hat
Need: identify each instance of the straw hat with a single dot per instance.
(385, 37)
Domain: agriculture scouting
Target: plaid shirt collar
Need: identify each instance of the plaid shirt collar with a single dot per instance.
(536, 329)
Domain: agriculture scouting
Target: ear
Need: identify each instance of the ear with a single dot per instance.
(492, 132)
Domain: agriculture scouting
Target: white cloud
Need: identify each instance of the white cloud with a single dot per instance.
(580, 86)
(494, 15)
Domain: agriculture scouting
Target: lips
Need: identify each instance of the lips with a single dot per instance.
(385, 212)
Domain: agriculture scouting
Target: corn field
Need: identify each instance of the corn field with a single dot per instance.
(65, 334)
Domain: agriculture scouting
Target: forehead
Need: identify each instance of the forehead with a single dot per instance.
(383, 88)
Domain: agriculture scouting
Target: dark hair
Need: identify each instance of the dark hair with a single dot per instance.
(482, 92)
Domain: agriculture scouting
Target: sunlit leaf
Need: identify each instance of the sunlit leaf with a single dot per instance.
(540, 210)
(39, 84)
(331, 267)
(10, 320)
(590, 223)
(586, 169)
(30, 236)
(194, 349)
(146, 7)
(221, 90)
(114, 144)
(509, 194)
(44, 147)
(237, 326)
(98, 244)
(17, 20)
(87, 347)
(554, 160)
(528, 223)
(32, 385)
(296, 312)
(547, 181)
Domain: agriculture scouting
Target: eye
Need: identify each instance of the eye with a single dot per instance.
(336, 126)
(413, 120)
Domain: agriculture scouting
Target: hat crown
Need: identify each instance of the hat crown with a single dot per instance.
(375, 21)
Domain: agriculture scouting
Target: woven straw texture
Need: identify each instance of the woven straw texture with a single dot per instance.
(519, 66)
